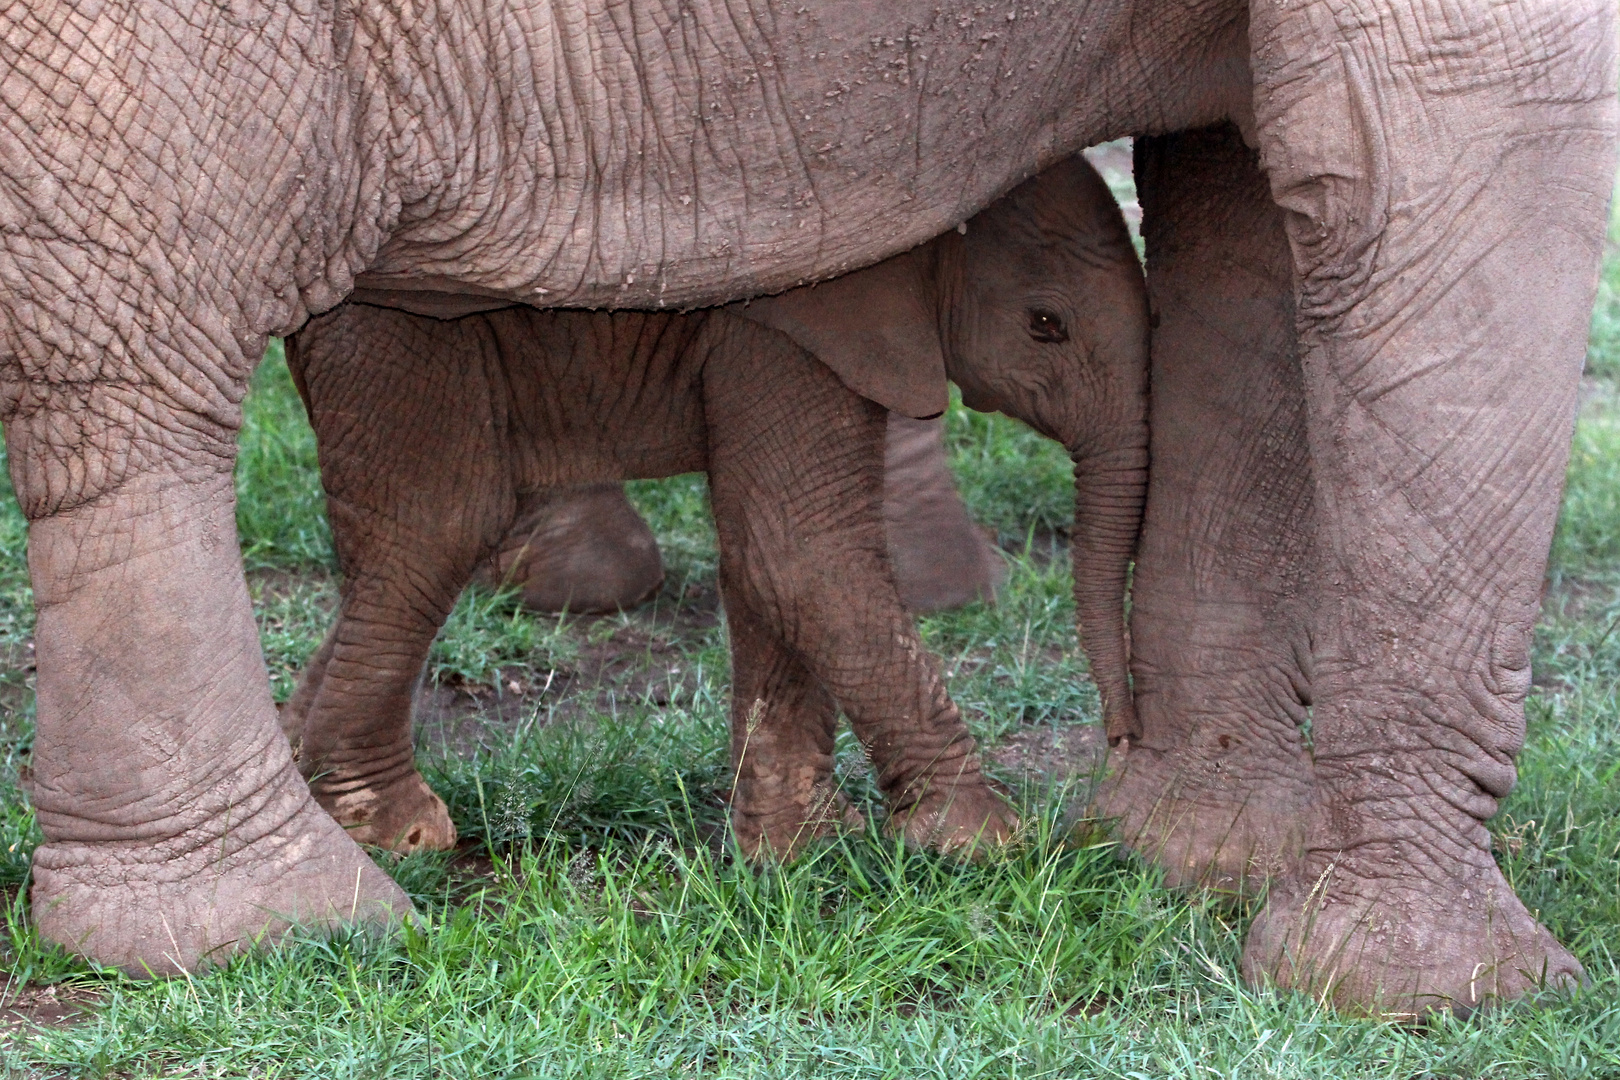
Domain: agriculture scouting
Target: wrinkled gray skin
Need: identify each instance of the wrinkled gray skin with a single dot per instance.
(1039, 311)
(586, 550)
(1362, 410)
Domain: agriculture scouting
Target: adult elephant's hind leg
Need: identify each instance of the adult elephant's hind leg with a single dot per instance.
(177, 830)
(1446, 177)
(1216, 786)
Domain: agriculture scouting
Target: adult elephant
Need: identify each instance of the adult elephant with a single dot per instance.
(1361, 410)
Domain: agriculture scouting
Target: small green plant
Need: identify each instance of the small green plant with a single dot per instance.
(293, 613)
(1017, 662)
(16, 595)
(489, 633)
(591, 781)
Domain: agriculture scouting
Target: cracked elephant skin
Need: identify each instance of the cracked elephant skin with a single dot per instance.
(179, 181)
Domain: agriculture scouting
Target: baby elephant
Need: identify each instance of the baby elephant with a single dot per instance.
(432, 431)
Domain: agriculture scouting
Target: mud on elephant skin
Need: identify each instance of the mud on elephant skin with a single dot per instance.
(180, 183)
(1041, 311)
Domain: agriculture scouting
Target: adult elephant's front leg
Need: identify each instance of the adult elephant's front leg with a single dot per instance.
(1445, 173)
(176, 829)
(1216, 783)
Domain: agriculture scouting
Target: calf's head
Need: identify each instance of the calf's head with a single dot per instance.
(1036, 308)
(1043, 314)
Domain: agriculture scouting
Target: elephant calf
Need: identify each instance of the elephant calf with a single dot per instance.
(432, 432)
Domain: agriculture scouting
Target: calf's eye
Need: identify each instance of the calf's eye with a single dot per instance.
(1047, 326)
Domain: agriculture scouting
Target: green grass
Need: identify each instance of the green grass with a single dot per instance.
(280, 510)
(1587, 544)
(677, 509)
(1015, 481)
(1603, 349)
(596, 927)
(18, 833)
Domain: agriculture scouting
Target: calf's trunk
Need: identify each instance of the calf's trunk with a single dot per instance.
(1110, 488)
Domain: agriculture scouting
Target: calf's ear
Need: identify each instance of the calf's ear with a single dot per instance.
(876, 328)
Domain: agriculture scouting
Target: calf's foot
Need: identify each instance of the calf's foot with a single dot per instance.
(785, 832)
(958, 814)
(402, 815)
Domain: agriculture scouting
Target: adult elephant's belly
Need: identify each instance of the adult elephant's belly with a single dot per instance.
(629, 155)
(444, 302)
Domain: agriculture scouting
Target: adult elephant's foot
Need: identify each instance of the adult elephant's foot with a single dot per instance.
(1430, 537)
(1208, 819)
(403, 815)
(783, 833)
(1398, 906)
(1400, 946)
(958, 815)
(177, 830)
(940, 557)
(584, 550)
(161, 905)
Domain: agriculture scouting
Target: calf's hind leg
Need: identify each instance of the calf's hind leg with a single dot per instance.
(796, 477)
(416, 496)
(583, 550)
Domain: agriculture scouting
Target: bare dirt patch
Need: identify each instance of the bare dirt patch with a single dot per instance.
(26, 1005)
(1053, 755)
(640, 656)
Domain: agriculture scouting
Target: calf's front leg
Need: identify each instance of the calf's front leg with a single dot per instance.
(783, 723)
(796, 477)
